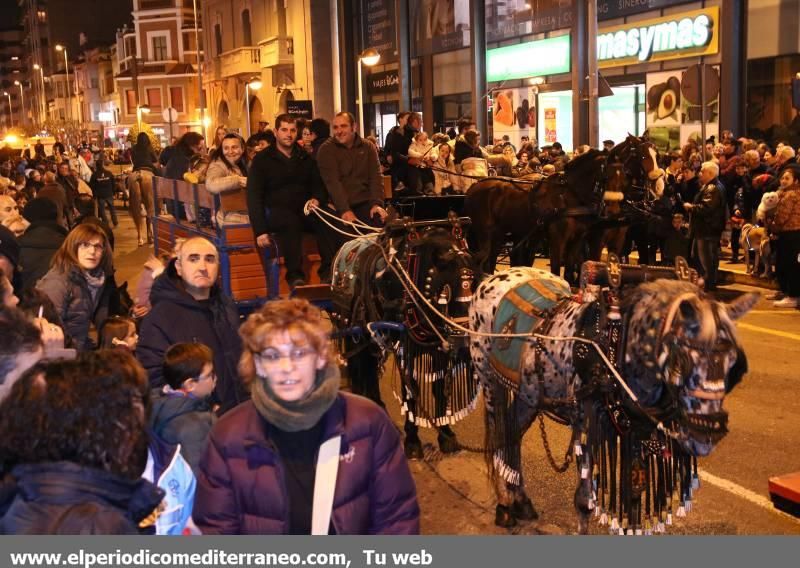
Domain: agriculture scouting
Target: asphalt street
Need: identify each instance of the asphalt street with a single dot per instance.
(764, 439)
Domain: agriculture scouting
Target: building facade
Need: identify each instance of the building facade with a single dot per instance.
(158, 58)
(286, 46)
(12, 68)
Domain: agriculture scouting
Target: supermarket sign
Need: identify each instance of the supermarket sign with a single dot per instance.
(670, 37)
(531, 59)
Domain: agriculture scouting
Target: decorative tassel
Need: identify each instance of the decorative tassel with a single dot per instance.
(597, 511)
(603, 519)
(629, 532)
(621, 531)
(689, 506)
(614, 524)
(681, 512)
(638, 532)
(660, 528)
(578, 450)
(669, 519)
(695, 482)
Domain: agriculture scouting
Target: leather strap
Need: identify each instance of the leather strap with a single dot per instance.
(325, 485)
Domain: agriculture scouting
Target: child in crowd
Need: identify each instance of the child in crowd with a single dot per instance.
(181, 411)
(676, 242)
(119, 332)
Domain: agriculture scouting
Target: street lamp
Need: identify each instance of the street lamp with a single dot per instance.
(22, 101)
(43, 106)
(10, 112)
(140, 110)
(369, 57)
(255, 84)
(60, 47)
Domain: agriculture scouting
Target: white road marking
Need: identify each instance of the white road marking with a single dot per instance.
(744, 493)
(768, 331)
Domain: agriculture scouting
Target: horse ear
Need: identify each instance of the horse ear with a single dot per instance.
(741, 305)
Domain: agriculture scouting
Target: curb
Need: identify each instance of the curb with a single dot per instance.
(733, 277)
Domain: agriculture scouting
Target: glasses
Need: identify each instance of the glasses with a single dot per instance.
(99, 247)
(274, 357)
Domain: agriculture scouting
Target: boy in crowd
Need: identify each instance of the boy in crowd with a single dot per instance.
(181, 412)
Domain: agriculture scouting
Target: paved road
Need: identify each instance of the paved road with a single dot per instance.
(764, 440)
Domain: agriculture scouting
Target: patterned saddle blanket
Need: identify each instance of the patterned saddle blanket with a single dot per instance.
(523, 309)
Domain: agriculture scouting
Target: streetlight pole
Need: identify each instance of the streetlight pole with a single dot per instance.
(254, 84)
(66, 68)
(42, 96)
(368, 58)
(22, 102)
(200, 97)
(10, 112)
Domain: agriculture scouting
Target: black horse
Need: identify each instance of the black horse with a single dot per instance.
(381, 288)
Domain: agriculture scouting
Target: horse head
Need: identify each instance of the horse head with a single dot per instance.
(443, 269)
(682, 356)
(639, 157)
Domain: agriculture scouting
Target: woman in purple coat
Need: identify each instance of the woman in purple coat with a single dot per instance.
(300, 457)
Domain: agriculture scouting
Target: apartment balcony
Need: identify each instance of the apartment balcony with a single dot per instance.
(277, 51)
(241, 61)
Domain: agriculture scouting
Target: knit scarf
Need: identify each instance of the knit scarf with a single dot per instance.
(302, 414)
(95, 280)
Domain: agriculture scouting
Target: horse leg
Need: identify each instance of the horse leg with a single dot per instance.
(363, 370)
(412, 445)
(135, 204)
(448, 443)
(584, 493)
(522, 508)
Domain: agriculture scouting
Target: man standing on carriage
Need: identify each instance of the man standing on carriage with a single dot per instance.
(351, 171)
(282, 179)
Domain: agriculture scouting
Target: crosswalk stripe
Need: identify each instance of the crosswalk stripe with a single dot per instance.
(776, 332)
(744, 493)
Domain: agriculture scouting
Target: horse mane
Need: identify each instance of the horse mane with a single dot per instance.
(585, 160)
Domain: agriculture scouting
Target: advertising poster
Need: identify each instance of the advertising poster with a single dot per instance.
(514, 114)
(379, 28)
(550, 132)
(439, 25)
(691, 101)
(663, 109)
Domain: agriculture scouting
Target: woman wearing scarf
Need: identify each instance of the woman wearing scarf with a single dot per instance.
(301, 457)
(80, 282)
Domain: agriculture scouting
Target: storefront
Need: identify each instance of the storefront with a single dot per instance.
(644, 58)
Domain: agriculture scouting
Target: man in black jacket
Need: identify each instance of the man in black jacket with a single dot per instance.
(41, 241)
(709, 214)
(281, 180)
(189, 306)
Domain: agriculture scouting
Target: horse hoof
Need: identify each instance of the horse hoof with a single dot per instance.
(141, 242)
(448, 443)
(413, 449)
(524, 510)
(503, 517)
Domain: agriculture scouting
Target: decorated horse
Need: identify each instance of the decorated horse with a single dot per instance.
(637, 364)
(390, 288)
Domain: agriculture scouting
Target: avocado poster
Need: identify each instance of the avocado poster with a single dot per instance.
(663, 99)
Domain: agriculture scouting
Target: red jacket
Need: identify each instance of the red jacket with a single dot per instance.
(240, 487)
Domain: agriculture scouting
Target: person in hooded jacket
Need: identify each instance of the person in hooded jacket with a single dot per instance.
(80, 282)
(41, 241)
(189, 306)
(299, 438)
(72, 437)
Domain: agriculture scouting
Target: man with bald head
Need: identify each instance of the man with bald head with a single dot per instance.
(189, 306)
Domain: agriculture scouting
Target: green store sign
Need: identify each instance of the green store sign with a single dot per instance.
(543, 57)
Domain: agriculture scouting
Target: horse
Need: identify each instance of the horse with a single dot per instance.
(638, 371)
(140, 191)
(501, 208)
(381, 284)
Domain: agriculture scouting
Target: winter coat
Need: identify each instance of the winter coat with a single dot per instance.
(424, 151)
(443, 179)
(167, 468)
(67, 498)
(177, 317)
(352, 176)
(241, 490)
(709, 212)
(55, 193)
(179, 163)
(787, 213)
(275, 181)
(222, 179)
(463, 150)
(102, 184)
(37, 247)
(182, 419)
(73, 299)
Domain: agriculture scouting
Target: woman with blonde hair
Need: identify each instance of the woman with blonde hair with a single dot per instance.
(301, 457)
(80, 282)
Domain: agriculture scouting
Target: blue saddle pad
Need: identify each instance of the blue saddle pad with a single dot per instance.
(522, 309)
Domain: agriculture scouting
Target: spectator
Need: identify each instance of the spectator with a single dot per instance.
(395, 139)
(676, 241)
(166, 153)
(41, 240)
(102, 184)
(9, 256)
(259, 142)
(227, 174)
(68, 182)
(55, 193)
(189, 145)
(219, 134)
(444, 175)
(320, 131)
(708, 217)
(463, 148)
(282, 179)
(16, 224)
(140, 183)
(33, 184)
(786, 225)
(189, 306)
(80, 282)
(8, 208)
(351, 171)
(181, 412)
(119, 332)
(297, 417)
(72, 435)
(21, 346)
(421, 153)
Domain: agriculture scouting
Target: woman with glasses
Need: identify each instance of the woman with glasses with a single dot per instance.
(80, 282)
(301, 457)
